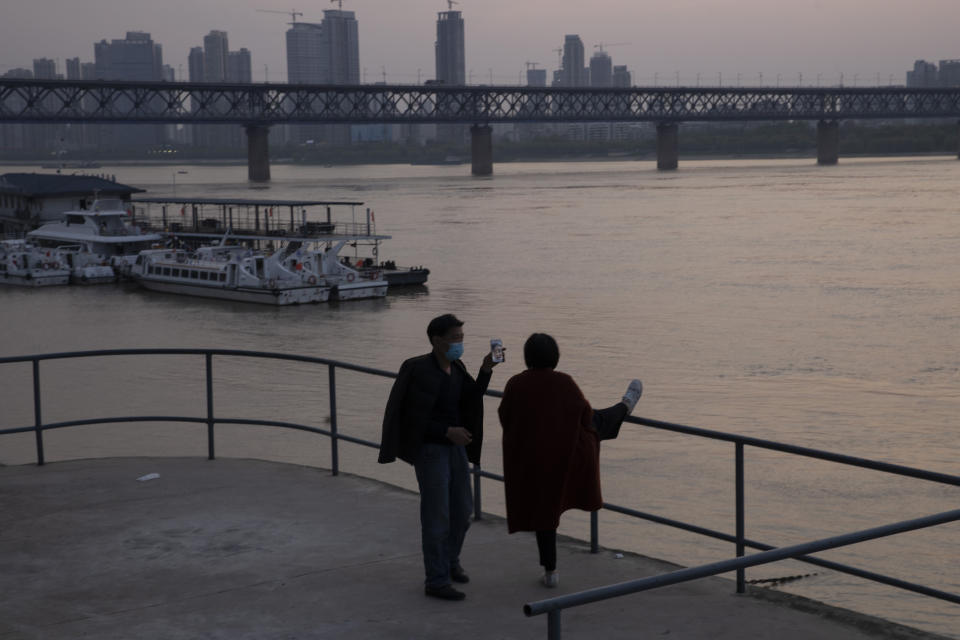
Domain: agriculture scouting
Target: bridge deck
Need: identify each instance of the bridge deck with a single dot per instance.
(248, 549)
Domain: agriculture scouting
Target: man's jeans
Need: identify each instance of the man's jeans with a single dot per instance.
(445, 507)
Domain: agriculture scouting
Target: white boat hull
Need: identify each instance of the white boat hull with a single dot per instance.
(276, 297)
(359, 290)
(44, 279)
(93, 275)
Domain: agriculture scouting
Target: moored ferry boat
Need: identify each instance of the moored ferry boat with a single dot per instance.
(228, 273)
(24, 264)
(345, 281)
(98, 243)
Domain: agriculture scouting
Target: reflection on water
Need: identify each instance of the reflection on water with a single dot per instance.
(799, 303)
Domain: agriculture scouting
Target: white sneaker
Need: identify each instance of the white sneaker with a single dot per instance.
(551, 579)
(632, 395)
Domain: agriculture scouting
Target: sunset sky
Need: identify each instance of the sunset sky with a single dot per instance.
(656, 39)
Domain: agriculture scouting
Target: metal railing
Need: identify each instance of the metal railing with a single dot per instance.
(740, 443)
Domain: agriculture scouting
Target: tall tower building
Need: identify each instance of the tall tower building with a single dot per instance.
(239, 66)
(621, 77)
(601, 70)
(572, 74)
(449, 49)
(304, 53)
(215, 50)
(341, 47)
(195, 64)
(137, 57)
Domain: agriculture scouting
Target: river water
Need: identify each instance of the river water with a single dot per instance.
(818, 306)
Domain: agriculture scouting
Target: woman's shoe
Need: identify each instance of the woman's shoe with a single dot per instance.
(632, 395)
(551, 579)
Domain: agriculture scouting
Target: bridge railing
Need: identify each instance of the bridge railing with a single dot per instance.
(740, 444)
(264, 104)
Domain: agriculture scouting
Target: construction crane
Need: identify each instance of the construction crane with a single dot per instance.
(293, 13)
(609, 44)
(450, 4)
(339, 4)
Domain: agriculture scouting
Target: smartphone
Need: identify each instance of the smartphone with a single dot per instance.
(496, 350)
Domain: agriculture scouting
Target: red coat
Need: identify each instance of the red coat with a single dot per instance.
(551, 454)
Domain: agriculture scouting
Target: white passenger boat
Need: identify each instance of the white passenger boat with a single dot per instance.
(99, 243)
(345, 281)
(229, 273)
(24, 264)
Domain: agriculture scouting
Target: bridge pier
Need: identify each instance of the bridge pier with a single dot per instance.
(258, 152)
(481, 149)
(828, 142)
(668, 148)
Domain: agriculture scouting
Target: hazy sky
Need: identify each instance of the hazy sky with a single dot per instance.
(858, 38)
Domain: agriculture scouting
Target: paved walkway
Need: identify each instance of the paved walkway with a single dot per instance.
(239, 549)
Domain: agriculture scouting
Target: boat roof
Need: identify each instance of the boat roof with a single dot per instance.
(49, 185)
(333, 237)
(250, 202)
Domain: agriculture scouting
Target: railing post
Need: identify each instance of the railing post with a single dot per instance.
(741, 546)
(595, 531)
(38, 421)
(477, 506)
(210, 421)
(334, 462)
(554, 631)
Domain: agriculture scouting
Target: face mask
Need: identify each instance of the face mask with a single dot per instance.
(454, 351)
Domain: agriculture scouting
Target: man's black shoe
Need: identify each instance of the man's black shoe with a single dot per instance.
(457, 574)
(446, 592)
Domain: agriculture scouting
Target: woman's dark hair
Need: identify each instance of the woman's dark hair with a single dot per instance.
(540, 351)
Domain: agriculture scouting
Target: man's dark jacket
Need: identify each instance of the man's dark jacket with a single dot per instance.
(412, 399)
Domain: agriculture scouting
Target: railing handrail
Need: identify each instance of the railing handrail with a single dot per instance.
(725, 566)
(759, 443)
(740, 442)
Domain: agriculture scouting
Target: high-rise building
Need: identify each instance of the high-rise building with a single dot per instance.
(239, 68)
(536, 77)
(195, 64)
(572, 74)
(949, 74)
(136, 57)
(450, 60)
(304, 53)
(341, 47)
(601, 70)
(924, 74)
(73, 68)
(325, 53)
(215, 50)
(621, 77)
(449, 49)
(44, 69)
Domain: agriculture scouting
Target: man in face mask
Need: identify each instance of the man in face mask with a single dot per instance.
(434, 421)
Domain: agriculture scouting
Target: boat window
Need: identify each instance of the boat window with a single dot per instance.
(223, 277)
(175, 273)
(203, 275)
(194, 275)
(166, 271)
(74, 219)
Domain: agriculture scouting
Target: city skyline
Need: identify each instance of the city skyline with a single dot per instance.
(708, 42)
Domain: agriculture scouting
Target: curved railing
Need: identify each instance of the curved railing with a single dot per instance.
(740, 443)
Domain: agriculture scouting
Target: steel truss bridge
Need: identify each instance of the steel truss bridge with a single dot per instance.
(268, 104)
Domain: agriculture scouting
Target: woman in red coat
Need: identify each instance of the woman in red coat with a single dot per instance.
(551, 447)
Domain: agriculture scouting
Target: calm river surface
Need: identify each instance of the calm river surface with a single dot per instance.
(818, 306)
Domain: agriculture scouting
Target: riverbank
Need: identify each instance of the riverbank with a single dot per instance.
(252, 549)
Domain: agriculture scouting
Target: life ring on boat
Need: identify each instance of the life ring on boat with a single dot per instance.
(272, 284)
(312, 280)
(350, 277)
(46, 266)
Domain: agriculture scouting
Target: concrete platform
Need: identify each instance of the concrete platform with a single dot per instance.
(249, 549)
